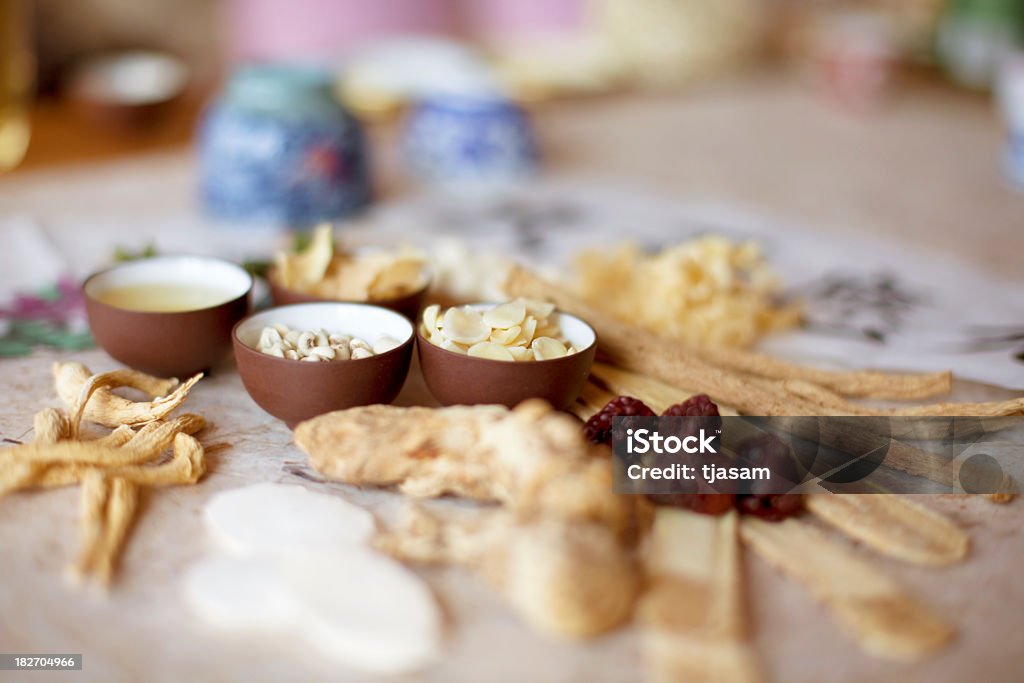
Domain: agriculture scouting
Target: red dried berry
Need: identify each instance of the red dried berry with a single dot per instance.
(598, 428)
(700, 405)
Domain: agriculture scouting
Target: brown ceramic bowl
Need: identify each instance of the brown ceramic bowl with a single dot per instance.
(294, 390)
(454, 378)
(168, 343)
(409, 305)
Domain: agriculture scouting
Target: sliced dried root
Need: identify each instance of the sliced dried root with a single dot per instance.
(692, 615)
(894, 526)
(90, 397)
(565, 579)
(95, 492)
(874, 610)
(620, 340)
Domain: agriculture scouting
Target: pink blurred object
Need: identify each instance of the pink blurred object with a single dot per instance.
(505, 18)
(854, 59)
(325, 29)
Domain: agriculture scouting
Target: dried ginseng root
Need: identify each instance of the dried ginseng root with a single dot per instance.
(90, 397)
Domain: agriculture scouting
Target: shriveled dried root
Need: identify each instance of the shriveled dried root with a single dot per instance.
(894, 526)
(121, 508)
(90, 397)
(875, 611)
(619, 339)
(95, 492)
(50, 426)
(566, 579)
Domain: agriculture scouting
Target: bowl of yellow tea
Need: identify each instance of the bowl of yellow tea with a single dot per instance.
(169, 316)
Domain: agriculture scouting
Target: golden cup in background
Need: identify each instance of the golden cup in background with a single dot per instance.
(16, 78)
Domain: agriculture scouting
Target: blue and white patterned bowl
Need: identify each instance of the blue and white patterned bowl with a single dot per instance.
(460, 139)
(277, 148)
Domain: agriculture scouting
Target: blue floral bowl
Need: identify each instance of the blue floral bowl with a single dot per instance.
(458, 139)
(277, 148)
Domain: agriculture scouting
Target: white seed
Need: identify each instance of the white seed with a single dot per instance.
(338, 339)
(322, 339)
(359, 353)
(385, 343)
(341, 352)
(281, 329)
(505, 316)
(311, 359)
(292, 336)
(465, 326)
(488, 349)
(304, 343)
(357, 343)
(269, 336)
(291, 354)
(276, 351)
(546, 348)
(322, 352)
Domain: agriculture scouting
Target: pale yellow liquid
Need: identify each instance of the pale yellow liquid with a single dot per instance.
(164, 297)
(16, 69)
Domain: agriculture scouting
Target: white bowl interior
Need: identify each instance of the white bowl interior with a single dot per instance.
(366, 322)
(177, 270)
(580, 334)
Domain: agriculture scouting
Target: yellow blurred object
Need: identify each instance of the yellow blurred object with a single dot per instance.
(669, 42)
(706, 291)
(16, 77)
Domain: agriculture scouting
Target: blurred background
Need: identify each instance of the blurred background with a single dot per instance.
(694, 96)
(65, 66)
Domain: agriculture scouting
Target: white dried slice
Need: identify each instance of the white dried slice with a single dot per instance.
(357, 343)
(240, 593)
(506, 337)
(269, 337)
(449, 345)
(547, 348)
(465, 326)
(505, 316)
(538, 309)
(490, 350)
(528, 332)
(385, 343)
(278, 518)
(430, 318)
(366, 609)
(322, 353)
(520, 353)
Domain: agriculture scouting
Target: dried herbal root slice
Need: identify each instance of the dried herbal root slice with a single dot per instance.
(875, 611)
(90, 397)
(95, 492)
(692, 616)
(894, 526)
(116, 438)
(121, 508)
(524, 283)
(50, 426)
